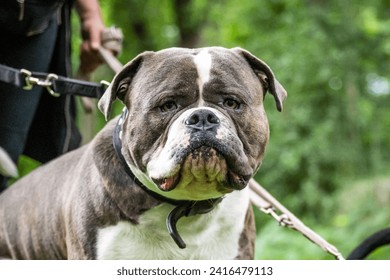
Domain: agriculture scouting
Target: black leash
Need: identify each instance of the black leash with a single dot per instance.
(55, 85)
(371, 243)
(184, 208)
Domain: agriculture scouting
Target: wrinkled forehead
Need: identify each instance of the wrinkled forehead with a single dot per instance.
(203, 61)
(195, 69)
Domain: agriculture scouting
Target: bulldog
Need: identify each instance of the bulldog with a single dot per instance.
(165, 180)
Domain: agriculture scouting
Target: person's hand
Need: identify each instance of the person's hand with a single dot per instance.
(91, 29)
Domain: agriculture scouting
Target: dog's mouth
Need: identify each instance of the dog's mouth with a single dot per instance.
(167, 184)
(204, 166)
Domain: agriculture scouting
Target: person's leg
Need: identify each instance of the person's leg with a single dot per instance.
(18, 106)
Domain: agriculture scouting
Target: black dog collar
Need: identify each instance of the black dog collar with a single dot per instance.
(183, 207)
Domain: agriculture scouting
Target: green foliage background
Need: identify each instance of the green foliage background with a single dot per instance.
(329, 152)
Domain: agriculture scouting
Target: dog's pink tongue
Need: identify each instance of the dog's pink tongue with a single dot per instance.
(168, 184)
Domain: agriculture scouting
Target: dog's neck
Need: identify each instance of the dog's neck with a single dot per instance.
(183, 207)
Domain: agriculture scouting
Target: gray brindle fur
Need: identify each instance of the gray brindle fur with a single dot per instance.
(196, 130)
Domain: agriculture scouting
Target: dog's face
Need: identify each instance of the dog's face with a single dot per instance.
(196, 127)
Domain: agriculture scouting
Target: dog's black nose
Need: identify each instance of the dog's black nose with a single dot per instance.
(202, 119)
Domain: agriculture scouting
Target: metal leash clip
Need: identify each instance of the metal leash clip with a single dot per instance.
(49, 79)
(282, 219)
(264, 201)
(47, 83)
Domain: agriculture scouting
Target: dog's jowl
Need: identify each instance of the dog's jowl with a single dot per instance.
(173, 184)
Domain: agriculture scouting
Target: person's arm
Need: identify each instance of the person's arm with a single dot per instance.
(91, 27)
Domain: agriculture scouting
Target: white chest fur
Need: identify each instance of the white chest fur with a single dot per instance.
(209, 236)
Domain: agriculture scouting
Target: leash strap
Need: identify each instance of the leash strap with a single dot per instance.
(11, 76)
(58, 85)
(55, 85)
(371, 243)
(270, 206)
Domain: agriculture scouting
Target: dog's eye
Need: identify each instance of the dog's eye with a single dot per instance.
(231, 104)
(123, 88)
(168, 106)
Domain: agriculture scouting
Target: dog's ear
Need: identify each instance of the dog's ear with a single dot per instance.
(120, 84)
(266, 77)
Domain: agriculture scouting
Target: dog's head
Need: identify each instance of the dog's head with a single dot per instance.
(196, 126)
